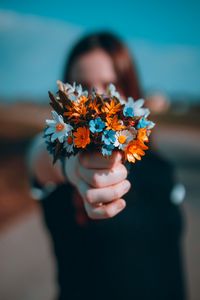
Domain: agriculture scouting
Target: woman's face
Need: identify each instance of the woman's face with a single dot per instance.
(94, 69)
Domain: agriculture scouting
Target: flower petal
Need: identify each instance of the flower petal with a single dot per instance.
(139, 103)
(50, 130)
(55, 116)
(51, 122)
(54, 136)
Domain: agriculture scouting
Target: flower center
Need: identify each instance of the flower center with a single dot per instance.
(59, 127)
(122, 139)
(69, 140)
(82, 137)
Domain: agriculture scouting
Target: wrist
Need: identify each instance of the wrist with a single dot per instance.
(68, 168)
(63, 169)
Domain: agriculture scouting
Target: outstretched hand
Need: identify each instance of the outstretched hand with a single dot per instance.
(100, 181)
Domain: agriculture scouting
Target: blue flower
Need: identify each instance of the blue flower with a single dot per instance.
(128, 111)
(108, 137)
(96, 125)
(144, 123)
(107, 149)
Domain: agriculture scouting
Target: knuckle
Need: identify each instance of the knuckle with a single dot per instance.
(116, 193)
(89, 196)
(95, 181)
(125, 171)
(128, 182)
(120, 170)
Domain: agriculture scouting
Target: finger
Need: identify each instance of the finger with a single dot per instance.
(107, 194)
(105, 211)
(102, 178)
(83, 188)
(95, 160)
(100, 212)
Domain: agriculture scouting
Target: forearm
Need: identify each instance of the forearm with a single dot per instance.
(40, 164)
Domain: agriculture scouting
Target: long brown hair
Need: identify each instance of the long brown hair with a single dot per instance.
(127, 79)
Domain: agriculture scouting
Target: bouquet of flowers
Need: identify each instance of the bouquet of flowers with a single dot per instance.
(83, 121)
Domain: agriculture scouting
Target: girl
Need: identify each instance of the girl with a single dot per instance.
(104, 250)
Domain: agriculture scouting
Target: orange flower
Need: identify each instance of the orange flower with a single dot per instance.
(93, 105)
(82, 137)
(76, 109)
(135, 150)
(142, 135)
(114, 123)
(82, 99)
(111, 108)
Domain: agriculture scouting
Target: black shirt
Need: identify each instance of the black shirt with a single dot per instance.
(135, 255)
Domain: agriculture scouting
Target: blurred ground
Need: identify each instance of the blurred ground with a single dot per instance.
(26, 260)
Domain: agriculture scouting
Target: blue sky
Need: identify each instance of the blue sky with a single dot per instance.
(169, 21)
(163, 35)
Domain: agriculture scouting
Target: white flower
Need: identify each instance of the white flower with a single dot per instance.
(80, 92)
(123, 137)
(111, 91)
(134, 108)
(66, 87)
(57, 127)
(69, 144)
(73, 91)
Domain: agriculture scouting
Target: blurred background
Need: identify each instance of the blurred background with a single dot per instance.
(35, 38)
